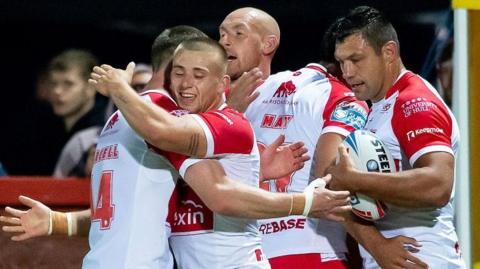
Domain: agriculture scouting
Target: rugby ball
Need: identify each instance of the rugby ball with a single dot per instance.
(368, 153)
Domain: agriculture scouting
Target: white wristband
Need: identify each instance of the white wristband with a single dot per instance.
(317, 183)
(50, 223)
(69, 224)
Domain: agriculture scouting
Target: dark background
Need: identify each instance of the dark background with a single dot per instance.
(119, 31)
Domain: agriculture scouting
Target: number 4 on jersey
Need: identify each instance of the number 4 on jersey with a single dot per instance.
(103, 209)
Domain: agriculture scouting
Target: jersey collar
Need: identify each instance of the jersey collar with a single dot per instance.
(400, 84)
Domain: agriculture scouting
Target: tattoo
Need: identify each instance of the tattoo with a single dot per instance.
(193, 145)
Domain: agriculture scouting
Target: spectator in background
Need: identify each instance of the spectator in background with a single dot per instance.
(74, 157)
(444, 73)
(71, 97)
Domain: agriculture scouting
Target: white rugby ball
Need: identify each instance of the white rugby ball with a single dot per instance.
(368, 153)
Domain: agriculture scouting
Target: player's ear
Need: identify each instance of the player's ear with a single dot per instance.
(225, 82)
(390, 51)
(270, 44)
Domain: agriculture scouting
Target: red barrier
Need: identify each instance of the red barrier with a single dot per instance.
(48, 251)
(71, 192)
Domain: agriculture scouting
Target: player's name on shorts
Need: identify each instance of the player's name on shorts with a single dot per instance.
(106, 153)
(282, 225)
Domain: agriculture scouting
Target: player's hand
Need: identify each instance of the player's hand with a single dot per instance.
(396, 253)
(329, 204)
(106, 79)
(242, 91)
(277, 161)
(343, 173)
(30, 223)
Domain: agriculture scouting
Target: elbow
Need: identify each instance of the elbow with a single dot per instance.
(442, 199)
(222, 207)
(439, 198)
(221, 202)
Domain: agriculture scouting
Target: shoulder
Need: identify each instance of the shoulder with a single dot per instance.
(419, 97)
(227, 131)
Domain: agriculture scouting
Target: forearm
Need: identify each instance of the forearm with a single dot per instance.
(254, 203)
(416, 188)
(82, 221)
(365, 233)
(228, 197)
(157, 126)
(325, 152)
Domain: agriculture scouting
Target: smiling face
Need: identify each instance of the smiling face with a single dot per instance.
(242, 40)
(363, 69)
(197, 80)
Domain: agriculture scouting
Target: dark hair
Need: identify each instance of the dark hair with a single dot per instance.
(328, 45)
(74, 58)
(165, 43)
(374, 27)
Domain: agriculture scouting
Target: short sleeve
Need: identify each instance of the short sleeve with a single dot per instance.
(227, 132)
(421, 125)
(343, 113)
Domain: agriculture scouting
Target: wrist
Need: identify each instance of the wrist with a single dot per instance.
(297, 203)
(61, 223)
(354, 181)
(374, 243)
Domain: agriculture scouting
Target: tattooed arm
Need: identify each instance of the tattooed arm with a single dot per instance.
(176, 134)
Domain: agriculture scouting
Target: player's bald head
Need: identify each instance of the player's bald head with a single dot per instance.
(259, 19)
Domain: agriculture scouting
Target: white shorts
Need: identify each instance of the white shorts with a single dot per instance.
(435, 254)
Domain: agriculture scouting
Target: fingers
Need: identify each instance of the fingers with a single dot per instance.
(302, 159)
(28, 201)
(342, 209)
(14, 212)
(21, 237)
(414, 262)
(409, 241)
(300, 151)
(342, 150)
(10, 220)
(297, 145)
(100, 70)
(252, 97)
(106, 67)
(340, 194)
(249, 81)
(13, 229)
(130, 68)
(278, 141)
(95, 76)
(327, 179)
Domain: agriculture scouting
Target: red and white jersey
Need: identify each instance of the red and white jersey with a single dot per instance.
(131, 188)
(201, 238)
(413, 120)
(303, 105)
